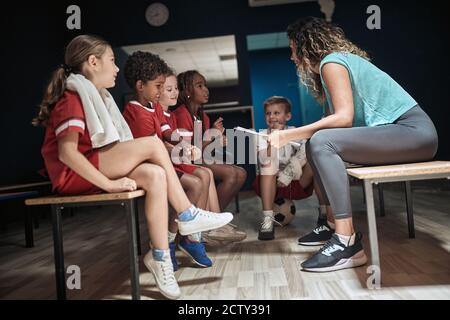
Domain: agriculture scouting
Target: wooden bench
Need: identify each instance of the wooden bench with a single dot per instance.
(395, 173)
(127, 200)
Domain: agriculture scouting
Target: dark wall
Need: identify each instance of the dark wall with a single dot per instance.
(272, 73)
(411, 46)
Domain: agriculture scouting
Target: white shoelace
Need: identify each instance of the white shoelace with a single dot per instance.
(328, 251)
(321, 228)
(167, 272)
(267, 222)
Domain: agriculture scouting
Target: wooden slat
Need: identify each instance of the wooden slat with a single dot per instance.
(401, 170)
(89, 198)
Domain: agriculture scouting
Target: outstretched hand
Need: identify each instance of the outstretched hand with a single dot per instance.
(278, 139)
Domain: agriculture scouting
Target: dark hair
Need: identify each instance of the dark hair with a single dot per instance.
(77, 52)
(144, 66)
(186, 87)
(315, 38)
(278, 100)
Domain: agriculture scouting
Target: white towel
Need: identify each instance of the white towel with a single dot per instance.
(103, 118)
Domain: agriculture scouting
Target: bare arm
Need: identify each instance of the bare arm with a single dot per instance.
(69, 155)
(337, 80)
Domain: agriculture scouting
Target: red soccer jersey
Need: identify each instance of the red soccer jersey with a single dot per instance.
(143, 121)
(186, 121)
(68, 116)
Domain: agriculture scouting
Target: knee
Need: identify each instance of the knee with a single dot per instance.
(319, 142)
(151, 145)
(237, 176)
(154, 177)
(241, 175)
(204, 176)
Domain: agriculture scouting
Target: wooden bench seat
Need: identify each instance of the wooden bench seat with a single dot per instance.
(395, 173)
(127, 200)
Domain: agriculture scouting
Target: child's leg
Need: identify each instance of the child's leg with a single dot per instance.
(231, 180)
(120, 159)
(307, 176)
(192, 186)
(213, 200)
(152, 179)
(268, 187)
(202, 186)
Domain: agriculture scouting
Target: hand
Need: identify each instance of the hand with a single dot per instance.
(218, 124)
(196, 153)
(224, 141)
(121, 185)
(278, 139)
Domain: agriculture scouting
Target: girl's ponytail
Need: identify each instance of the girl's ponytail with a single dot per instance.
(53, 93)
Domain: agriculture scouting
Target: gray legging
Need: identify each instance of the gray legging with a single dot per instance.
(411, 138)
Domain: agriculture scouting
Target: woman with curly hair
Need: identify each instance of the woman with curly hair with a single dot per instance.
(369, 120)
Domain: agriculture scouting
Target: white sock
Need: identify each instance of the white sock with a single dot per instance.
(172, 236)
(347, 240)
(195, 237)
(331, 224)
(268, 213)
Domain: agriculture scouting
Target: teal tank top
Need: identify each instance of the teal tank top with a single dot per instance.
(377, 98)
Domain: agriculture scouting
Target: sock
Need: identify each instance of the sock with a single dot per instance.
(195, 237)
(347, 240)
(188, 214)
(172, 237)
(160, 255)
(268, 213)
(331, 224)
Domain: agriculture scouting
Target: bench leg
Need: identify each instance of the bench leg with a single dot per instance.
(130, 211)
(58, 253)
(28, 224)
(409, 210)
(381, 199)
(373, 237)
(138, 228)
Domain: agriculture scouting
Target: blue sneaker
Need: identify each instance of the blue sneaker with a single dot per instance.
(172, 247)
(195, 251)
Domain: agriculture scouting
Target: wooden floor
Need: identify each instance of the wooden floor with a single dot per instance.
(96, 241)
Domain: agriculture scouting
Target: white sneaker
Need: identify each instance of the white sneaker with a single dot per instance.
(164, 276)
(203, 220)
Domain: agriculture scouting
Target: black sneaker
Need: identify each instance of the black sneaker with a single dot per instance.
(267, 229)
(319, 236)
(334, 255)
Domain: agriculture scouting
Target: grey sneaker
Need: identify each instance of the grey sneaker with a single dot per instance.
(227, 233)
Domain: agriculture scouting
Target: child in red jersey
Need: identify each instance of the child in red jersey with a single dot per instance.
(193, 95)
(145, 74)
(89, 148)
